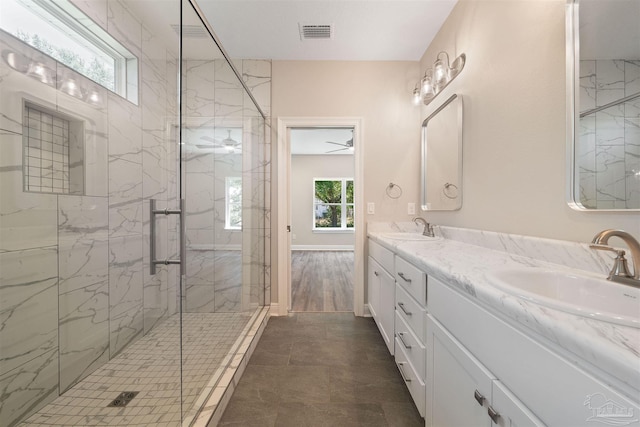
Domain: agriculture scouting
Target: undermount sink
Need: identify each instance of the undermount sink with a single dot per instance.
(584, 295)
(399, 235)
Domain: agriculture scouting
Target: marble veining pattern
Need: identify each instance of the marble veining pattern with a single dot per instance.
(83, 292)
(98, 242)
(462, 261)
(608, 156)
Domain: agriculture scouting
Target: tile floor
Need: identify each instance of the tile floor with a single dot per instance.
(321, 369)
(151, 366)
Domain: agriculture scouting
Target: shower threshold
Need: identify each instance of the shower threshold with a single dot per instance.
(214, 346)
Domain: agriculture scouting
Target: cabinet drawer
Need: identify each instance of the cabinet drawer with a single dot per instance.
(412, 345)
(383, 255)
(410, 311)
(411, 379)
(412, 279)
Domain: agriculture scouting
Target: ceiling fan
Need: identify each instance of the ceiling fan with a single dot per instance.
(347, 145)
(229, 143)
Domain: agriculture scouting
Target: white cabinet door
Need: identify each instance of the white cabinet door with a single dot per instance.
(387, 309)
(510, 412)
(373, 287)
(458, 387)
(382, 300)
(462, 392)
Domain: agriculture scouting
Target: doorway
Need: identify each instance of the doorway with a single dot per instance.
(320, 225)
(322, 219)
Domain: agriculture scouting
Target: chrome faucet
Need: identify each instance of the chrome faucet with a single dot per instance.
(620, 271)
(428, 228)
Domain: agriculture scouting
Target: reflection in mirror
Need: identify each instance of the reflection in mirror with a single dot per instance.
(603, 76)
(442, 157)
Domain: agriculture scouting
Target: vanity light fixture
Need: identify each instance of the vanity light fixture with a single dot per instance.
(437, 78)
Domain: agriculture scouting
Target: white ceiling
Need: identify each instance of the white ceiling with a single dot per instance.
(365, 30)
(318, 141)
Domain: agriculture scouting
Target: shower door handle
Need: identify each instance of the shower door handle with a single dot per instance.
(152, 237)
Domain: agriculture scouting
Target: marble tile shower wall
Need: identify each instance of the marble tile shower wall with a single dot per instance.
(226, 269)
(74, 280)
(609, 156)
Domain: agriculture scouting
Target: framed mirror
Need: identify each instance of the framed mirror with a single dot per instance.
(603, 104)
(441, 171)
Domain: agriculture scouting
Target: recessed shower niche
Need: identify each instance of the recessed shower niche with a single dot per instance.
(53, 146)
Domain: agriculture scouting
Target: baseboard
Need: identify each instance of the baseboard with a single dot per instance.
(367, 312)
(274, 309)
(322, 247)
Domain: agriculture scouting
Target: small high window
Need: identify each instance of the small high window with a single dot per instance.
(333, 204)
(60, 30)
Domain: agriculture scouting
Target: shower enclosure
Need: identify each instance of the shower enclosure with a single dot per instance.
(134, 264)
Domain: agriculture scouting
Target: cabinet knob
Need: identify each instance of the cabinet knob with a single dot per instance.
(493, 415)
(376, 273)
(479, 397)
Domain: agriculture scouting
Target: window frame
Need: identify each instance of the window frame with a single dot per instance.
(78, 28)
(228, 180)
(344, 205)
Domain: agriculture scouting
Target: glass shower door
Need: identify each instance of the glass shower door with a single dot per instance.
(221, 140)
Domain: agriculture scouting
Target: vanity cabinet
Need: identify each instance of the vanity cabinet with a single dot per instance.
(411, 303)
(526, 382)
(462, 392)
(381, 291)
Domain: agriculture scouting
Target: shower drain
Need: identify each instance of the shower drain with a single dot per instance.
(123, 399)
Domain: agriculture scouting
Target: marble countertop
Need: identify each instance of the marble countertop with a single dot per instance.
(612, 348)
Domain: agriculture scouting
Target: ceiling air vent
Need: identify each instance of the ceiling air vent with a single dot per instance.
(191, 31)
(315, 31)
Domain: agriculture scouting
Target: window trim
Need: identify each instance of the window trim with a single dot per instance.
(343, 205)
(74, 23)
(227, 205)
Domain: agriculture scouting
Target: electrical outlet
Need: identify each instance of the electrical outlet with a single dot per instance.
(411, 209)
(371, 208)
(293, 236)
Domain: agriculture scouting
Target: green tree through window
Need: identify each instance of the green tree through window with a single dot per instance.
(95, 69)
(333, 203)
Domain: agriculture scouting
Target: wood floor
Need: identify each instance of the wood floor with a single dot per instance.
(322, 281)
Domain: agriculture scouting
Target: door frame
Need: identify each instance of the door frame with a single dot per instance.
(284, 205)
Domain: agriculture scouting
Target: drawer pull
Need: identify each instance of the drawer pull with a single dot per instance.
(402, 276)
(493, 415)
(479, 397)
(408, 380)
(376, 273)
(401, 338)
(401, 305)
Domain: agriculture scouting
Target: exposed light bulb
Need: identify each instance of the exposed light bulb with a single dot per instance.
(416, 96)
(427, 87)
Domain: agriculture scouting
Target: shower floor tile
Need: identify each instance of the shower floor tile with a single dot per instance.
(150, 366)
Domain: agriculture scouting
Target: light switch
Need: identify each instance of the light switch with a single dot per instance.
(411, 208)
(371, 208)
